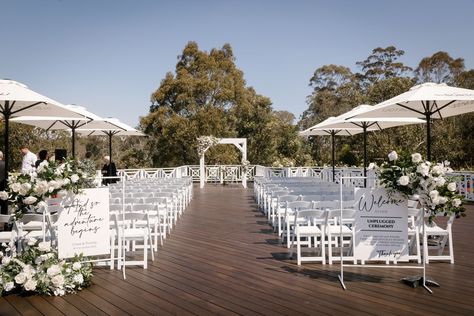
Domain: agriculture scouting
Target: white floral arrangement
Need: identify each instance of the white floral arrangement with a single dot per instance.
(37, 270)
(206, 142)
(26, 192)
(415, 178)
(245, 166)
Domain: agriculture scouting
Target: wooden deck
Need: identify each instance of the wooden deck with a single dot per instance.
(223, 258)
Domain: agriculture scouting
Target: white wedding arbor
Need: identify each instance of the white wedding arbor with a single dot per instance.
(240, 143)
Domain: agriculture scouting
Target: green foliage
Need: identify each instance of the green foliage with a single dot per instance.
(336, 90)
(347, 157)
(207, 95)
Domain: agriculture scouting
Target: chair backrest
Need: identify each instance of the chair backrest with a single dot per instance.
(142, 194)
(143, 207)
(348, 215)
(327, 204)
(287, 198)
(133, 200)
(312, 214)
(156, 200)
(298, 205)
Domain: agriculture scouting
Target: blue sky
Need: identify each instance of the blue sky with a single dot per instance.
(111, 55)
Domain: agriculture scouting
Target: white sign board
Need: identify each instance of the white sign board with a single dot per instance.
(83, 225)
(381, 226)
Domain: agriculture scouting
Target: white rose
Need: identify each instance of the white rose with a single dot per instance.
(415, 197)
(74, 178)
(39, 260)
(58, 280)
(416, 158)
(404, 180)
(32, 241)
(393, 156)
(434, 194)
(20, 278)
(15, 187)
(76, 266)
(78, 278)
(442, 200)
(44, 246)
(423, 169)
(452, 186)
(30, 200)
(371, 166)
(456, 202)
(9, 286)
(437, 170)
(53, 270)
(440, 181)
(25, 188)
(3, 195)
(6, 260)
(30, 285)
(29, 271)
(41, 187)
(66, 181)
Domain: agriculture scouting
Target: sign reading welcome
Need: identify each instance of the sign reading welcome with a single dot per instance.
(381, 226)
(83, 225)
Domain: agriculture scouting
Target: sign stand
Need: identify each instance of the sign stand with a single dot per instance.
(341, 275)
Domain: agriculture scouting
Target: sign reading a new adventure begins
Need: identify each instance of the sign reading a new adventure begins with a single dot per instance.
(381, 226)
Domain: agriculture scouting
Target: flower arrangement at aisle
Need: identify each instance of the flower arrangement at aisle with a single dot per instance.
(245, 166)
(415, 178)
(37, 270)
(51, 179)
(205, 142)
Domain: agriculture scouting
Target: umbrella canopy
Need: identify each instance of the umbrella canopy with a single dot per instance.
(108, 127)
(61, 123)
(324, 128)
(427, 101)
(352, 119)
(17, 100)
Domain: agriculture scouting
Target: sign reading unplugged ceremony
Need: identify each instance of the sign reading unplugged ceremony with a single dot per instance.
(381, 226)
(84, 224)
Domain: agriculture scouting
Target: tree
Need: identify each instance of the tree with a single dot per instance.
(382, 64)
(207, 95)
(439, 67)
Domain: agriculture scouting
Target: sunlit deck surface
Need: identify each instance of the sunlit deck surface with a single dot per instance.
(223, 258)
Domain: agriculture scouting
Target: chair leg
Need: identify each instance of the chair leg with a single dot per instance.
(323, 249)
(145, 252)
(418, 250)
(451, 249)
(329, 249)
(298, 249)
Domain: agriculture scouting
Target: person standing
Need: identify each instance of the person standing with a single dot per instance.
(109, 170)
(29, 160)
(43, 155)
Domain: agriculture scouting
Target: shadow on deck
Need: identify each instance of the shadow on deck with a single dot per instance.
(223, 258)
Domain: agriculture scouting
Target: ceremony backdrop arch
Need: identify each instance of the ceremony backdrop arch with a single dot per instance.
(240, 143)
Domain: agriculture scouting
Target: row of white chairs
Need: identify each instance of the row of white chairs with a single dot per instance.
(280, 199)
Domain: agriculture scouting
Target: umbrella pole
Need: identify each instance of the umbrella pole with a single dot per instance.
(428, 136)
(333, 158)
(6, 117)
(73, 143)
(364, 126)
(110, 154)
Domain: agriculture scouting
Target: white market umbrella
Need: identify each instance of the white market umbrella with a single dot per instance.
(108, 127)
(351, 119)
(426, 101)
(61, 123)
(324, 129)
(17, 100)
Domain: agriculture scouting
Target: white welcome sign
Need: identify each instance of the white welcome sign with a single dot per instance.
(381, 226)
(83, 225)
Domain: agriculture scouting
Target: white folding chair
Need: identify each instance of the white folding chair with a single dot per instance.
(334, 224)
(309, 224)
(439, 237)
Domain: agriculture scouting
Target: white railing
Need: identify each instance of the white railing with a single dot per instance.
(233, 174)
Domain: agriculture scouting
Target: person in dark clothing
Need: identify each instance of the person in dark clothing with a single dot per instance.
(42, 155)
(108, 170)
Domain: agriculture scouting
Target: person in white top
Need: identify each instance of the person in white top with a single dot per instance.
(29, 160)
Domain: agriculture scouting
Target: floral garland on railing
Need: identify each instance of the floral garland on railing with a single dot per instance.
(38, 270)
(26, 192)
(245, 166)
(414, 178)
(205, 142)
